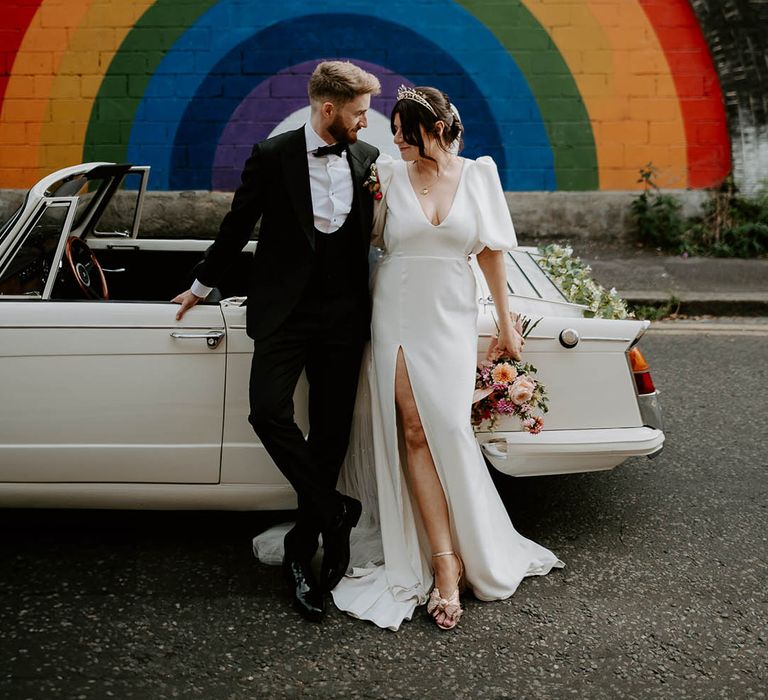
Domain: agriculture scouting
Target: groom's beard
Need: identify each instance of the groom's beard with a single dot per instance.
(341, 133)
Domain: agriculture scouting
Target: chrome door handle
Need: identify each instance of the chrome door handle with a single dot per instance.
(213, 338)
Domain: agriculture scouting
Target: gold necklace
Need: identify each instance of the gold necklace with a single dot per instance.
(425, 189)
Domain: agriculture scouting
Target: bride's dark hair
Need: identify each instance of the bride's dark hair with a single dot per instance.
(413, 115)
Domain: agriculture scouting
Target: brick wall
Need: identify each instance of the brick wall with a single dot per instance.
(574, 95)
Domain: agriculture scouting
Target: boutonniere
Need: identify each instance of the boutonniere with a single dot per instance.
(373, 183)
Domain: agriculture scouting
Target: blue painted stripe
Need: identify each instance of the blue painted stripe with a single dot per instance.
(438, 44)
(224, 89)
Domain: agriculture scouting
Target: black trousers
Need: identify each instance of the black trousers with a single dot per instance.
(325, 335)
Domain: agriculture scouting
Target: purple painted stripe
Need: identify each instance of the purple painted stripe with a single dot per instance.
(272, 101)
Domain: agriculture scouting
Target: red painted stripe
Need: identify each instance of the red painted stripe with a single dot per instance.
(17, 14)
(698, 88)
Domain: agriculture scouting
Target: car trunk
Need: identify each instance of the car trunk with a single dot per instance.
(594, 420)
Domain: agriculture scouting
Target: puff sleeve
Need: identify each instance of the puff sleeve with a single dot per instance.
(494, 224)
(385, 166)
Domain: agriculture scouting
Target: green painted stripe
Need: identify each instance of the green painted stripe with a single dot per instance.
(562, 109)
(552, 84)
(132, 67)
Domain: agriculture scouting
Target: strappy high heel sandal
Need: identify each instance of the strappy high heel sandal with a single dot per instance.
(450, 606)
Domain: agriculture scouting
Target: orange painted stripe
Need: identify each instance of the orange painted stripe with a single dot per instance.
(626, 84)
(26, 107)
(91, 50)
(650, 127)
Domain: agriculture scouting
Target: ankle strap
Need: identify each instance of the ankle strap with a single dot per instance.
(444, 554)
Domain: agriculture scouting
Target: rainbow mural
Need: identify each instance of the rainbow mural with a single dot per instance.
(572, 95)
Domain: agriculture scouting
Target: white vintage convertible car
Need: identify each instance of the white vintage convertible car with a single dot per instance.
(106, 401)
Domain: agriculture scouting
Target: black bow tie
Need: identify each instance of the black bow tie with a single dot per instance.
(337, 149)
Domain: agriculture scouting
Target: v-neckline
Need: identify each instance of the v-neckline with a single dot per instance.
(453, 201)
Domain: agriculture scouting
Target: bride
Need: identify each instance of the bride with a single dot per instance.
(433, 520)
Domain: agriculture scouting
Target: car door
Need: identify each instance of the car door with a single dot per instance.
(244, 460)
(94, 391)
(110, 392)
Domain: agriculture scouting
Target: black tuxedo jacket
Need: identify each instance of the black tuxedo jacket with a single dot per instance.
(275, 188)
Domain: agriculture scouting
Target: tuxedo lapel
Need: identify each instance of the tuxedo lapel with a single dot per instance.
(359, 164)
(297, 177)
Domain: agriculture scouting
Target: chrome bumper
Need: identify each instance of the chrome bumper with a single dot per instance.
(650, 410)
(568, 451)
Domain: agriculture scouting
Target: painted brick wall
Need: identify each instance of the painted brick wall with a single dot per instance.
(573, 95)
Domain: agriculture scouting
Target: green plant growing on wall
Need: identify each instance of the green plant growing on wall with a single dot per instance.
(731, 225)
(658, 311)
(658, 216)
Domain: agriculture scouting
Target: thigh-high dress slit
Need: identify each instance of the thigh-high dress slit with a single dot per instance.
(424, 303)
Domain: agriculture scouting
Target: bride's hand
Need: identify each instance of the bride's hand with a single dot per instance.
(510, 342)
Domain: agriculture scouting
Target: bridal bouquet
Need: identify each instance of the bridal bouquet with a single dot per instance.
(507, 387)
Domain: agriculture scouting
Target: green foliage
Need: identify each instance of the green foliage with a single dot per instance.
(653, 312)
(730, 226)
(574, 279)
(658, 216)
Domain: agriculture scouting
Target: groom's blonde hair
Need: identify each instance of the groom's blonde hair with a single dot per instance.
(340, 82)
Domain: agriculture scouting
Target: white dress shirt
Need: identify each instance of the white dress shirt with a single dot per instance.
(330, 182)
(330, 185)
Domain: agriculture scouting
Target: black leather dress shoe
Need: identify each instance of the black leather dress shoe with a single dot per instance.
(336, 543)
(308, 597)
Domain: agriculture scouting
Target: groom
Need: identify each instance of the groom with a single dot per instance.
(308, 307)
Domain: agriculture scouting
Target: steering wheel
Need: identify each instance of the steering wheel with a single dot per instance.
(86, 269)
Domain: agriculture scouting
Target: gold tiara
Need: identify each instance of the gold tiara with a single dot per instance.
(406, 93)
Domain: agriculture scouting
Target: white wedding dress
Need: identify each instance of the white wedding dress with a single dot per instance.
(424, 301)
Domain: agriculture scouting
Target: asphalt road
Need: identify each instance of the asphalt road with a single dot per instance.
(665, 594)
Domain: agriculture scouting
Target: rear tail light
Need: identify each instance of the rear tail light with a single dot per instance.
(641, 372)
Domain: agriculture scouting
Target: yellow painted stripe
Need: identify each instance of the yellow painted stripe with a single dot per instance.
(91, 50)
(626, 84)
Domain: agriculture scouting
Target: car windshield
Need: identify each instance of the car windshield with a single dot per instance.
(120, 213)
(32, 259)
(8, 224)
(87, 197)
(525, 277)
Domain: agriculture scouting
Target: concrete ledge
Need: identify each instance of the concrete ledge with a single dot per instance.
(594, 216)
(704, 303)
(598, 216)
(186, 214)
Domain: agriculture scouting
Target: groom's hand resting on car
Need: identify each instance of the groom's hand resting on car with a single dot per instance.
(187, 300)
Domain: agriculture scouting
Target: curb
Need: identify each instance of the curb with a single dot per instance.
(703, 303)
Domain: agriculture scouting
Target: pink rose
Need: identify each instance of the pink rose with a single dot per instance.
(521, 390)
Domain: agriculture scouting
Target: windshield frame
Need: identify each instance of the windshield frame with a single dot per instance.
(13, 219)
